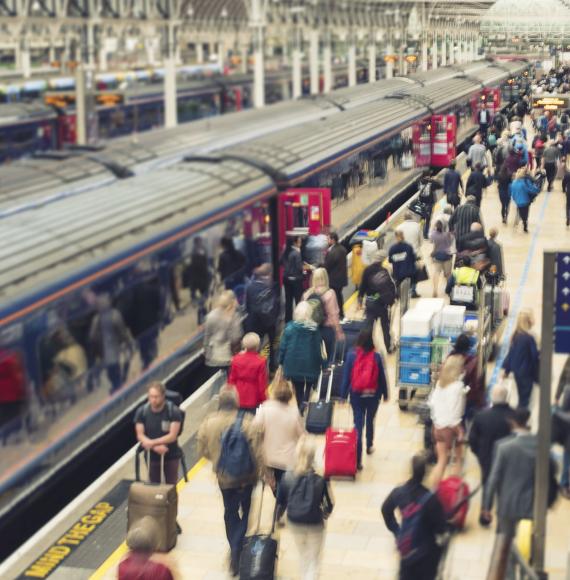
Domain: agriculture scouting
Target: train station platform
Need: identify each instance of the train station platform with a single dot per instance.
(357, 542)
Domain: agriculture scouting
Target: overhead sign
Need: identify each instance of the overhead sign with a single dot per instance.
(411, 58)
(390, 58)
(550, 103)
(562, 304)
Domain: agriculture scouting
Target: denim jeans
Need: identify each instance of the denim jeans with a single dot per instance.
(235, 500)
(565, 475)
(364, 410)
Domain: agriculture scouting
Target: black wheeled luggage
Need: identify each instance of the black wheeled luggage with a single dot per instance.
(259, 552)
(158, 501)
(351, 329)
(319, 413)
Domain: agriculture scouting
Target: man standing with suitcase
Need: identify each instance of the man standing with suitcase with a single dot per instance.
(157, 426)
(230, 441)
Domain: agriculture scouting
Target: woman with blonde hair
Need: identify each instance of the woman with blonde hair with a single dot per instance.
(523, 190)
(222, 332)
(523, 357)
(447, 406)
(282, 426)
(325, 309)
(306, 519)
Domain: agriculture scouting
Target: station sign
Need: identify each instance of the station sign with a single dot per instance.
(549, 103)
(562, 304)
(411, 58)
(390, 58)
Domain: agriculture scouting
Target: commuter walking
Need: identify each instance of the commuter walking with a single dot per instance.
(476, 183)
(489, 426)
(495, 254)
(522, 360)
(447, 406)
(403, 259)
(325, 310)
(512, 477)
(263, 305)
(412, 232)
(452, 183)
(248, 374)
(422, 521)
(292, 263)
(550, 162)
(307, 498)
(300, 353)
(281, 426)
(465, 215)
(477, 154)
(337, 269)
(377, 294)
(157, 425)
(138, 564)
(474, 245)
(364, 378)
(230, 441)
(504, 179)
(427, 198)
(442, 254)
(561, 423)
(231, 264)
(566, 191)
(464, 284)
(222, 332)
(475, 398)
(484, 120)
(523, 191)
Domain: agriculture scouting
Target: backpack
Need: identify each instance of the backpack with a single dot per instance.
(383, 285)
(263, 301)
(491, 140)
(411, 540)
(305, 498)
(236, 460)
(170, 405)
(318, 308)
(364, 378)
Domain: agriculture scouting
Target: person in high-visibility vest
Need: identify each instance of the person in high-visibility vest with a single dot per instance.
(464, 284)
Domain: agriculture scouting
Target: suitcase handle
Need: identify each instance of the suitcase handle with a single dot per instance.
(141, 449)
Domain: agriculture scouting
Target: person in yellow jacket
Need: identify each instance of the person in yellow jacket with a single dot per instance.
(357, 265)
(464, 284)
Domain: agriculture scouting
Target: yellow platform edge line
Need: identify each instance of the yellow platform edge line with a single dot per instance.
(350, 300)
(114, 558)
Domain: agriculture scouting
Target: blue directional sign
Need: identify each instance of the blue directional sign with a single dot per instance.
(562, 304)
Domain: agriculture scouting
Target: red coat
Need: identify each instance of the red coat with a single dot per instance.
(248, 374)
(139, 567)
(12, 379)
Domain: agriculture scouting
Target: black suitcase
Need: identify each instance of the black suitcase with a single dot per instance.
(259, 552)
(319, 413)
(351, 329)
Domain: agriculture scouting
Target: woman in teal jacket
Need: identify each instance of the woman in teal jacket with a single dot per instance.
(523, 190)
(300, 353)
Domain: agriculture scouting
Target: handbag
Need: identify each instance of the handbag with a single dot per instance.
(421, 272)
(441, 256)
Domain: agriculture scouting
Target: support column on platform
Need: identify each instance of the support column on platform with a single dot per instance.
(390, 63)
(327, 66)
(297, 67)
(372, 61)
(424, 63)
(314, 61)
(352, 63)
(170, 101)
(444, 49)
(258, 69)
(434, 52)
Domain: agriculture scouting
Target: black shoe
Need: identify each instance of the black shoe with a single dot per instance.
(234, 565)
(415, 294)
(359, 467)
(178, 528)
(370, 450)
(484, 521)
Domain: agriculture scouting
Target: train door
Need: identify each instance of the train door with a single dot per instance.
(443, 135)
(421, 137)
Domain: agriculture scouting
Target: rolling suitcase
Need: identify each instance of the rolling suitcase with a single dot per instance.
(157, 500)
(340, 452)
(453, 493)
(259, 553)
(351, 329)
(319, 413)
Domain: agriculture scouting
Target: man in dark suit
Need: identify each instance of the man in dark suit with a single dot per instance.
(337, 269)
(489, 426)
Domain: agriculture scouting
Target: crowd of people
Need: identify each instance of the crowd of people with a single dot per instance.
(258, 430)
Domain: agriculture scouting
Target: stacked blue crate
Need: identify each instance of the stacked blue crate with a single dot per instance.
(415, 360)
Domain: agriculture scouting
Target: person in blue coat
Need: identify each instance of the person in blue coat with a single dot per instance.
(523, 358)
(523, 190)
(364, 399)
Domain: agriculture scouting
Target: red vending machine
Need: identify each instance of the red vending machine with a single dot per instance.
(443, 139)
(421, 138)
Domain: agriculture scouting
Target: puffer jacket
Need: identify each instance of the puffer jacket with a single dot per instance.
(523, 191)
(300, 351)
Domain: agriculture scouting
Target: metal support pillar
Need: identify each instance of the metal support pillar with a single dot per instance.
(542, 467)
(372, 62)
(258, 69)
(314, 61)
(434, 52)
(103, 65)
(402, 64)
(25, 59)
(90, 45)
(170, 102)
(444, 49)
(245, 58)
(221, 54)
(200, 52)
(424, 54)
(327, 67)
(352, 63)
(297, 80)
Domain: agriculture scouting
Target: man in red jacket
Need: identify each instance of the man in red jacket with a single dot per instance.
(248, 373)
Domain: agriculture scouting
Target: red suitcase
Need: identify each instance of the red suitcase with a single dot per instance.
(453, 493)
(340, 452)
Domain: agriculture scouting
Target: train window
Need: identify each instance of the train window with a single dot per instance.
(23, 135)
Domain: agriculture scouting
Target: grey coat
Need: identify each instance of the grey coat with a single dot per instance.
(222, 334)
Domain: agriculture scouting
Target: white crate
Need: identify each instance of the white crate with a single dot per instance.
(434, 305)
(418, 323)
(453, 316)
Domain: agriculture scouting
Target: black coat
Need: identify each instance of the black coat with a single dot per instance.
(488, 427)
(335, 264)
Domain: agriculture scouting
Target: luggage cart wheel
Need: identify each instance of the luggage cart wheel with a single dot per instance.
(403, 400)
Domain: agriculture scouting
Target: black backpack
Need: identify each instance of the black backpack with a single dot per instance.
(412, 540)
(305, 499)
(318, 308)
(262, 301)
(382, 284)
(236, 460)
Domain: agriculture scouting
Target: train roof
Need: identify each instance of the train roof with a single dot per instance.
(27, 181)
(11, 113)
(49, 244)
